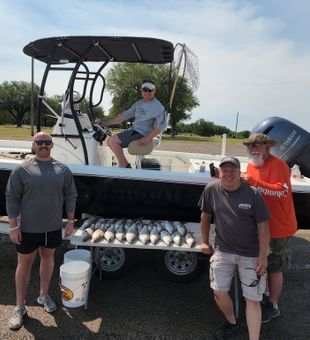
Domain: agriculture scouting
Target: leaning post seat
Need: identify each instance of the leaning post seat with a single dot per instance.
(139, 151)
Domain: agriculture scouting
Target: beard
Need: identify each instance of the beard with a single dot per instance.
(256, 158)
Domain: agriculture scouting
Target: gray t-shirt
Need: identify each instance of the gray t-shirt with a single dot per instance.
(236, 214)
(144, 114)
(37, 191)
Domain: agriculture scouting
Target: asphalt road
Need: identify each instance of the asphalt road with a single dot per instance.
(143, 305)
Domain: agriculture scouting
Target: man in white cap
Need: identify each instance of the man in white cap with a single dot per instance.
(241, 242)
(144, 112)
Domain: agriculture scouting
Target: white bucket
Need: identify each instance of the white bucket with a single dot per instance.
(74, 281)
(77, 255)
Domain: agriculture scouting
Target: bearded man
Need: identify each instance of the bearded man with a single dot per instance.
(271, 175)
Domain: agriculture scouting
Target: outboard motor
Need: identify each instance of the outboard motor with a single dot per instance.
(293, 142)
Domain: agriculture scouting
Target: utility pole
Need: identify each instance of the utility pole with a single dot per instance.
(237, 118)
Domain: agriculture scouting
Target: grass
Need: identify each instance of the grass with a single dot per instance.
(12, 132)
(24, 133)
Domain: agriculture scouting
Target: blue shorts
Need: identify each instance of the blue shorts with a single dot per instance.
(128, 136)
(32, 241)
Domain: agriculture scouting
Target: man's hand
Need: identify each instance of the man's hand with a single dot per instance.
(262, 263)
(16, 236)
(206, 248)
(103, 122)
(69, 229)
(244, 176)
(144, 140)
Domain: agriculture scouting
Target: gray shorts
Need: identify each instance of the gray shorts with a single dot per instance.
(222, 270)
(128, 136)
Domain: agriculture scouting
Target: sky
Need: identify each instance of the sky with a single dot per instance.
(254, 56)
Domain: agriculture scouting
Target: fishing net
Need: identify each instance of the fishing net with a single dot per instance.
(185, 67)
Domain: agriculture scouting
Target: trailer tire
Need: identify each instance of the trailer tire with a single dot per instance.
(181, 266)
(114, 261)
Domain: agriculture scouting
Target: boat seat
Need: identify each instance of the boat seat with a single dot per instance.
(140, 151)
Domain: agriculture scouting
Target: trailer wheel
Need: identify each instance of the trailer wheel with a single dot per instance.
(181, 266)
(114, 261)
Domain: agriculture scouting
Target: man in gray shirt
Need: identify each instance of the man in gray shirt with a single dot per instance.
(241, 241)
(144, 112)
(36, 192)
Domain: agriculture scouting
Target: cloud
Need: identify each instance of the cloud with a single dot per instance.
(253, 56)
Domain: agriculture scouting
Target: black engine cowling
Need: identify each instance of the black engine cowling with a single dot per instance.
(293, 142)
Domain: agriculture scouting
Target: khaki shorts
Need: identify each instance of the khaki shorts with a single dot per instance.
(279, 255)
(222, 270)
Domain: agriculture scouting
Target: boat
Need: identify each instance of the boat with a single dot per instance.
(169, 185)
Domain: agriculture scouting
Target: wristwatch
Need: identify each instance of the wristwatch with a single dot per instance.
(71, 222)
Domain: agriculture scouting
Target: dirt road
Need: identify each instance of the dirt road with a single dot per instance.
(203, 147)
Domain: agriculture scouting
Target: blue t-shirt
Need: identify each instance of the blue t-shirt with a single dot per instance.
(144, 114)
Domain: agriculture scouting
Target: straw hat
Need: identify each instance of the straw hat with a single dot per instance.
(259, 138)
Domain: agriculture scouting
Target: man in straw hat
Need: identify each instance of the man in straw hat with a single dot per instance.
(241, 241)
(271, 175)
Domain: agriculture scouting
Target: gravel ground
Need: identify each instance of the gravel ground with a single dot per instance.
(143, 305)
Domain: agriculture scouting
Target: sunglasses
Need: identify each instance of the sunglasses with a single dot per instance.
(255, 282)
(41, 142)
(147, 90)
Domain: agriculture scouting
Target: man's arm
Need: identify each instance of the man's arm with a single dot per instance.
(205, 222)
(144, 140)
(119, 118)
(264, 239)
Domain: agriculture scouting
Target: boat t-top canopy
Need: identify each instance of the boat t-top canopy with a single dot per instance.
(75, 49)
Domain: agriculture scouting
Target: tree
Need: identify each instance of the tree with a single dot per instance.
(15, 98)
(124, 82)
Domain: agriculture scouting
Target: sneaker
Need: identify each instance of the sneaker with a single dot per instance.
(47, 302)
(16, 319)
(226, 330)
(269, 312)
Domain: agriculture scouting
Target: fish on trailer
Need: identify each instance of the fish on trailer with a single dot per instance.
(97, 235)
(159, 226)
(120, 233)
(109, 235)
(180, 227)
(189, 239)
(119, 223)
(166, 237)
(99, 223)
(169, 227)
(144, 235)
(128, 224)
(154, 235)
(131, 233)
(87, 234)
(87, 223)
(177, 238)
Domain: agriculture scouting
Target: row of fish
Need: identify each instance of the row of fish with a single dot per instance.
(95, 229)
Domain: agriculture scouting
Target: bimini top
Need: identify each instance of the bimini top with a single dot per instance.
(73, 49)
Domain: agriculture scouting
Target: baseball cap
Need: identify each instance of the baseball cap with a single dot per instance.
(148, 85)
(259, 138)
(233, 160)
